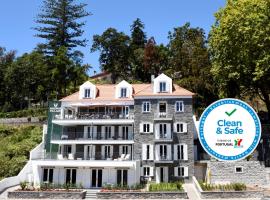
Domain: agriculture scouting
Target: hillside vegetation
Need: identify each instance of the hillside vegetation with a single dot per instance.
(15, 145)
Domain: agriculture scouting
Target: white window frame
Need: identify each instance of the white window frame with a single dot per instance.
(241, 167)
(183, 171)
(87, 95)
(146, 111)
(184, 127)
(49, 169)
(183, 152)
(161, 86)
(146, 171)
(183, 106)
(122, 89)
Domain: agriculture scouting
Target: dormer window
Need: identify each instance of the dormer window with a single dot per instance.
(162, 87)
(123, 92)
(87, 93)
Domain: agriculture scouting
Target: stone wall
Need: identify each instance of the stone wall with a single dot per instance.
(148, 138)
(226, 194)
(253, 172)
(142, 195)
(46, 195)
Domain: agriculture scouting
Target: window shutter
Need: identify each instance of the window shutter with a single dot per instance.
(157, 174)
(157, 131)
(175, 152)
(151, 171)
(166, 174)
(142, 171)
(185, 171)
(151, 128)
(176, 171)
(141, 127)
(93, 151)
(95, 132)
(102, 151)
(169, 131)
(120, 131)
(157, 151)
(111, 153)
(169, 149)
(185, 152)
(120, 150)
(143, 151)
(129, 150)
(102, 131)
(175, 127)
(112, 130)
(185, 127)
(151, 149)
(130, 131)
(85, 152)
(85, 135)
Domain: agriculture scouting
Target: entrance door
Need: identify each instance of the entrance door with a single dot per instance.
(96, 181)
(122, 177)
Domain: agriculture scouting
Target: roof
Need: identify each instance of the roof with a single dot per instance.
(104, 73)
(106, 92)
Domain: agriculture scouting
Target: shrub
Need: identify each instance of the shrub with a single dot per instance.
(223, 187)
(175, 186)
(23, 185)
(25, 113)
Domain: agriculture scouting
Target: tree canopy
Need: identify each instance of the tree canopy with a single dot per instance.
(240, 51)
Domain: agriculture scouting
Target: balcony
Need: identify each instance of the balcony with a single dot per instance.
(95, 138)
(165, 158)
(78, 118)
(78, 156)
(163, 138)
(163, 116)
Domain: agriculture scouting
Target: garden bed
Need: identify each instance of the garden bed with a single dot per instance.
(48, 194)
(227, 191)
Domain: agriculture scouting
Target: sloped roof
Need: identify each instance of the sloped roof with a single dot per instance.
(106, 92)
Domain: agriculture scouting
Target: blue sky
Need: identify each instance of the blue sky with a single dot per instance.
(159, 16)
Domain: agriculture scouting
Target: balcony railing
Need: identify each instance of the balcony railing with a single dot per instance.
(164, 115)
(114, 156)
(164, 158)
(94, 115)
(95, 136)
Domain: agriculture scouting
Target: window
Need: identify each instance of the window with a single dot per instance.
(48, 175)
(147, 152)
(146, 128)
(146, 106)
(238, 169)
(181, 171)
(162, 130)
(123, 92)
(122, 177)
(146, 171)
(71, 176)
(162, 107)
(163, 152)
(124, 149)
(179, 106)
(179, 127)
(180, 152)
(87, 93)
(162, 87)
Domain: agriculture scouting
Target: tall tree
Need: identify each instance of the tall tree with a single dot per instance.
(189, 62)
(114, 52)
(240, 49)
(137, 44)
(6, 59)
(61, 26)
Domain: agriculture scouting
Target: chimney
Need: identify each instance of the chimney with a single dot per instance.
(152, 78)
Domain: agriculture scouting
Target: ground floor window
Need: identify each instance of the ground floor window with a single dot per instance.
(146, 171)
(48, 175)
(122, 177)
(71, 176)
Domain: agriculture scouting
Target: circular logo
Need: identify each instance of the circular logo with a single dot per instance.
(229, 130)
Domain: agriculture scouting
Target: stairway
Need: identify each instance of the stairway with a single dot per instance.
(91, 193)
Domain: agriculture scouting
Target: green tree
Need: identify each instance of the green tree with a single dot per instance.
(61, 26)
(114, 52)
(26, 79)
(240, 50)
(189, 62)
(6, 59)
(137, 44)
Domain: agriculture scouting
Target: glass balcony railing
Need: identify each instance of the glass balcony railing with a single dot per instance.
(114, 156)
(88, 136)
(164, 158)
(94, 115)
